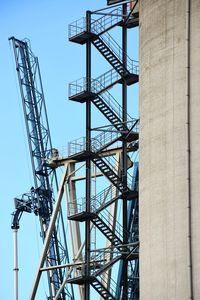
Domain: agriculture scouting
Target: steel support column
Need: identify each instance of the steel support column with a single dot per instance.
(124, 159)
(88, 161)
(48, 236)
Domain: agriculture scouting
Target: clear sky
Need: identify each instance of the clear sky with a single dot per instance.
(45, 23)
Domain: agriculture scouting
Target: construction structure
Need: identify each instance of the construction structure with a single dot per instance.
(40, 198)
(107, 245)
(104, 258)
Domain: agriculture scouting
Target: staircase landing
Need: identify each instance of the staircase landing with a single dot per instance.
(81, 279)
(83, 37)
(82, 96)
(82, 216)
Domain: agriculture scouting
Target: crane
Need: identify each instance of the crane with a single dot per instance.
(40, 199)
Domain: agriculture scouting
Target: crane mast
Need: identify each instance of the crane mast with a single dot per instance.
(40, 147)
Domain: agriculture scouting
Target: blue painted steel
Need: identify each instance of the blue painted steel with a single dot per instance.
(133, 229)
(40, 146)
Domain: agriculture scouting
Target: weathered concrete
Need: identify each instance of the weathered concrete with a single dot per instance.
(164, 184)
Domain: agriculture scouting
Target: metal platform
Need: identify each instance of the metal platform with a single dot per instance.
(83, 37)
(83, 96)
(131, 78)
(81, 280)
(82, 216)
(130, 136)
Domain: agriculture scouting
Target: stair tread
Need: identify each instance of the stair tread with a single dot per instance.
(108, 54)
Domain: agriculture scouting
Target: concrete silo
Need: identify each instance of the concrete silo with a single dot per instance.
(170, 149)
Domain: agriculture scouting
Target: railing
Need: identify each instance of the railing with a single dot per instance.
(97, 143)
(133, 278)
(101, 258)
(99, 26)
(107, 21)
(109, 99)
(79, 26)
(108, 78)
(79, 206)
(131, 65)
(105, 138)
(80, 85)
(102, 140)
(104, 196)
(104, 23)
(113, 287)
(113, 224)
(114, 166)
(97, 201)
(77, 146)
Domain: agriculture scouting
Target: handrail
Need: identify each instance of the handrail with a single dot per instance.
(100, 141)
(116, 49)
(107, 21)
(79, 26)
(97, 87)
(99, 26)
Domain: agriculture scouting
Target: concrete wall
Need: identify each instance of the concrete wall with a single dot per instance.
(164, 172)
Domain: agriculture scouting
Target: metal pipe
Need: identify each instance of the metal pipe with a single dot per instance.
(188, 32)
(16, 267)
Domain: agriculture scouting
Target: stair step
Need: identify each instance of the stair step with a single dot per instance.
(109, 114)
(115, 61)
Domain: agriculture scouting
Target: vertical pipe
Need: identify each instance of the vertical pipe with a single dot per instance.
(88, 162)
(188, 31)
(124, 155)
(16, 268)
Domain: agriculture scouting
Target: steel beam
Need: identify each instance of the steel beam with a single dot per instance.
(48, 236)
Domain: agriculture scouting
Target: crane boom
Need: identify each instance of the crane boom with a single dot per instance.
(40, 146)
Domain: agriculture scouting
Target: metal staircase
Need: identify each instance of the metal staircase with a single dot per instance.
(114, 54)
(108, 113)
(133, 229)
(101, 98)
(78, 30)
(100, 262)
(107, 165)
(105, 44)
(107, 169)
(103, 227)
(105, 139)
(94, 210)
(100, 215)
(102, 290)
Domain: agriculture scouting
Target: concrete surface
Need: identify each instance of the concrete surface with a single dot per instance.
(164, 213)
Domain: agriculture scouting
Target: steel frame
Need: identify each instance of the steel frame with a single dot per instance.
(40, 199)
(94, 267)
(87, 95)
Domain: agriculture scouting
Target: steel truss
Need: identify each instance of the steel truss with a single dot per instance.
(40, 199)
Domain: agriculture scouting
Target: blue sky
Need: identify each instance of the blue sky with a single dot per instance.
(45, 23)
